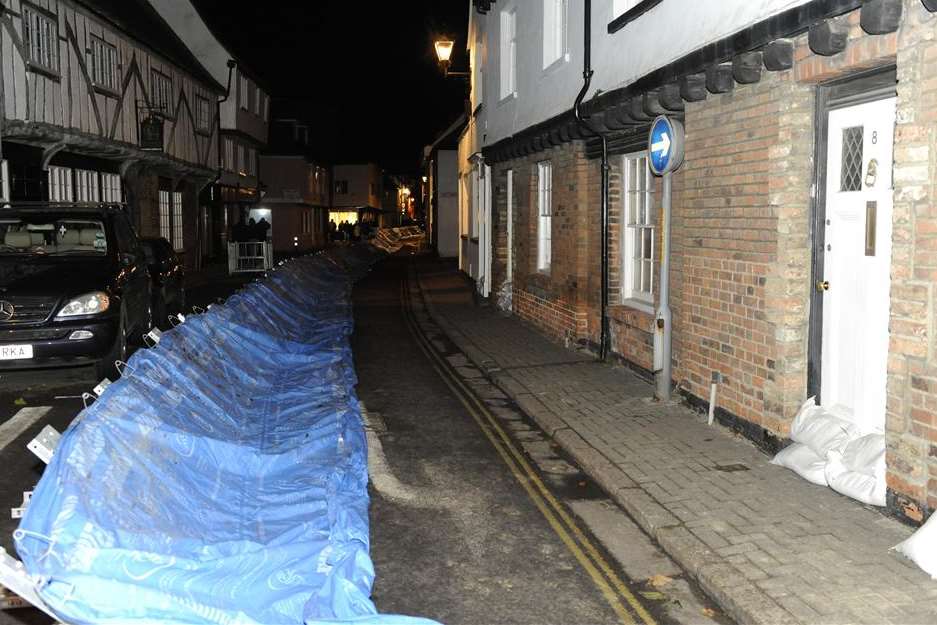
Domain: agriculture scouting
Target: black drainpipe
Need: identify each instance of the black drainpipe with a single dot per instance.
(587, 80)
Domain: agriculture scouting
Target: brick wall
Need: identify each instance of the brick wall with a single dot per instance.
(742, 248)
(912, 363)
(553, 300)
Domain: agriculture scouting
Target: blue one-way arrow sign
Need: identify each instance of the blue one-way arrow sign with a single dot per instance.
(665, 145)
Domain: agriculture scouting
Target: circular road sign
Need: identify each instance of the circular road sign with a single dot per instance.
(665, 145)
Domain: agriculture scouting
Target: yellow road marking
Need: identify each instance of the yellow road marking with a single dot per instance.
(566, 528)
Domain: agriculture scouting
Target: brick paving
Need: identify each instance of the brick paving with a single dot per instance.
(768, 546)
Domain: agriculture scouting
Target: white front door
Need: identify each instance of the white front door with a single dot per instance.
(856, 262)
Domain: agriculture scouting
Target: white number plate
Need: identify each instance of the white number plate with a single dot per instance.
(16, 352)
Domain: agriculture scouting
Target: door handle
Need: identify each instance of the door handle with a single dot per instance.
(823, 285)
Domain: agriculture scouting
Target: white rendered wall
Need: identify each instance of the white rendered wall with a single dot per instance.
(664, 34)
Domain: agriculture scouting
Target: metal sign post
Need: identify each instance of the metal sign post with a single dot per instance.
(665, 149)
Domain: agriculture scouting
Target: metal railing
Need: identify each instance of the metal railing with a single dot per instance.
(250, 256)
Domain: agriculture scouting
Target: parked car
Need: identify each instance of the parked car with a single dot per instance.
(168, 275)
(74, 287)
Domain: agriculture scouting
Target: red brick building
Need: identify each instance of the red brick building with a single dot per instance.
(804, 241)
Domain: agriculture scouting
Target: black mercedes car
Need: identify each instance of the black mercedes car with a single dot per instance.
(74, 287)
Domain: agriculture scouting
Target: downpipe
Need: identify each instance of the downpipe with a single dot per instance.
(605, 336)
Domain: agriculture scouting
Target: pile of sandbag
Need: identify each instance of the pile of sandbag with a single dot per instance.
(831, 451)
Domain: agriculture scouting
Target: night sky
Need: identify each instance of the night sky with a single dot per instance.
(364, 74)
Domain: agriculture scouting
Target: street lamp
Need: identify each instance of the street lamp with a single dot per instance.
(444, 54)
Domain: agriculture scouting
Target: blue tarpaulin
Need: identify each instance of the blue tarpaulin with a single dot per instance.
(223, 478)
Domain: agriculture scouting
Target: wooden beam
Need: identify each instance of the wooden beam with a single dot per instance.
(651, 103)
(49, 153)
(669, 97)
(693, 87)
(779, 55)
(828, 37)
(637, 109)
(746, 68)
(880, 17)
(621, 113)
(719, 78)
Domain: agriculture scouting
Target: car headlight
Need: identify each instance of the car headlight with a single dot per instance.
(87, 304)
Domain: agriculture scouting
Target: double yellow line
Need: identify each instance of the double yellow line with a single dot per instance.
(619, 597)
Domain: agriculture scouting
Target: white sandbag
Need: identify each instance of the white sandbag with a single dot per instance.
(820, 430)
(921, 547)
(866, 455)
(803, 461)
(859, 472)
(861, 487)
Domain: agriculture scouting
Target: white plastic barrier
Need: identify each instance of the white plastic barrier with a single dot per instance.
(250, 256)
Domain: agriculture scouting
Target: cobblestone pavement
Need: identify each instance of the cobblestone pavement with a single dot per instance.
(768, 546)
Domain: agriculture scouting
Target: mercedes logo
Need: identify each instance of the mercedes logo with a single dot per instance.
(6, 310)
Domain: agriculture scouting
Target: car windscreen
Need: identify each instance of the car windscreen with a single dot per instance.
(52, 236)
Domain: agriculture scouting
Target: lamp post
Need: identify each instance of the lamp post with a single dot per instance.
(444, 54)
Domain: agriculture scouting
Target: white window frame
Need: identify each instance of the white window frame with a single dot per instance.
(508, 53)
(229, 162)
(105, 63)
(544, 216)
(639, 232)
(4, 181)
(165, 214)
(554, 32)
(620, 7)
(41, 38)
(111, 188)
(244, 92)
(242, 159)
(60, 184)
(161, 92)
(86, 186)
(202, 113)
(177, 222)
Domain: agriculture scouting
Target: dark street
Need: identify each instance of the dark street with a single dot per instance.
(461, 530)
(478, 312)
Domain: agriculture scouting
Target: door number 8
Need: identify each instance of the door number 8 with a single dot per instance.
(874, 137)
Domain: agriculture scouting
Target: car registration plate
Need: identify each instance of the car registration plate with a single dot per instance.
(16, 352)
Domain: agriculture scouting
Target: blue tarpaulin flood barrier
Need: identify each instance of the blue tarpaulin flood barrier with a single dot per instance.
(223, 478)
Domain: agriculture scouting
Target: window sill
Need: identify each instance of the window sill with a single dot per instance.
(556, 63)
(205, 132)
(508, 98)
(631, 15)
(638, 304)
(44, 71)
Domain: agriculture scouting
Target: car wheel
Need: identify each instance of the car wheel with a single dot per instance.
(106, 367)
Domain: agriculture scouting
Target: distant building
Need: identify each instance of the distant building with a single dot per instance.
(297, 198)
(441, 197)
(358, 191)
(102, 102)
(244, 120)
